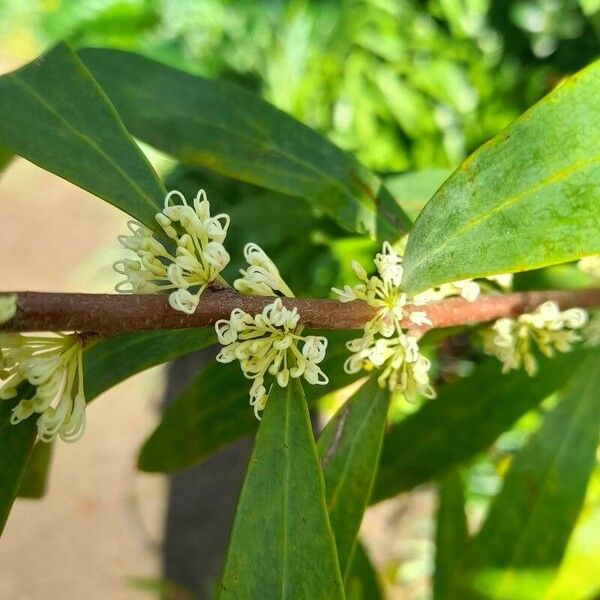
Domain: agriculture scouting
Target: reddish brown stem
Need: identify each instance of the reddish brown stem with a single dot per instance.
(110, 314)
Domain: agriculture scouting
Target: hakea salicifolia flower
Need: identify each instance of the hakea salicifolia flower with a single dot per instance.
(548, 328)
(53, 366)
(187, 265)
(384, 344)
(268, 344)
(590, 265)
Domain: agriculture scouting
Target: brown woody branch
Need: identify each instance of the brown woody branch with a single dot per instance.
(110, 314)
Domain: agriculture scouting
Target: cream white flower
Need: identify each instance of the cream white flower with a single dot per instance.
(8, 307)
(53, 365)
(512, 340)
(381, 291)
(504, 280)
(262, 277)
(267, 346)
(403, 368)
(590, 265)
(185, 267)
(466, 288)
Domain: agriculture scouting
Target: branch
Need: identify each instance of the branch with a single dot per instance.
(110, 314)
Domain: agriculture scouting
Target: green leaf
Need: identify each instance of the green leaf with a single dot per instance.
(109, 361)
(465, 419)
(35, 479)
(55, 115)
(349, 448)
(526, 199)
(5, 159)
(362, 581)
(16, 445)
(217, 125)
(521, 544)
(414, 189)
(213, 411)
(282, 545)
(451, 536)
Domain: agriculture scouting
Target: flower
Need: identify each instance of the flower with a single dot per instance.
(8, 307)
(547, 327)
(267, 345)
(54, 367)
(188, 264)
(403, 368)
(262, 277)
(466, 288)
(590, 265)
(381, 291)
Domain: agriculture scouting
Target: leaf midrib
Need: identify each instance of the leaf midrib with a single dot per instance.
(266, 147)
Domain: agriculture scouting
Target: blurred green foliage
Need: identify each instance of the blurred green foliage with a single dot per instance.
(402, 84)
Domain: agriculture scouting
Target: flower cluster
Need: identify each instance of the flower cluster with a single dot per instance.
(262, 277)
(267, 344)
(384, 345)
(548, 328)
(53, 367)
(590, 265)
(187, 265)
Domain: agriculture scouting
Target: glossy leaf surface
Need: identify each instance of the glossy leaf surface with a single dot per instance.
(227, 129)
(530, 197)
(282, 545)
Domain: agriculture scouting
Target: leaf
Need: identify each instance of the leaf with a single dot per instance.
(349, 449)
(281, 545)
(414, 189)
(362, 582)
(16, 444)
(109, 361)
(213, 411)
(227, 129)
(55, 115)
(5, 159)
(526, 199)
(521, 544)
(451, 536)
(465, 419)
(35, 479)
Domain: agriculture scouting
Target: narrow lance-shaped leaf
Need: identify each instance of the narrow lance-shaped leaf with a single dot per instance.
(471, 413)
(214, 411)
(362, 582)
(528, 198)
(35, 478)
(282, 545)
(517, 553)
(109, 361)
(16, 444)
(223, 127)
(450, 537)
(349, 448)
(55, 115)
